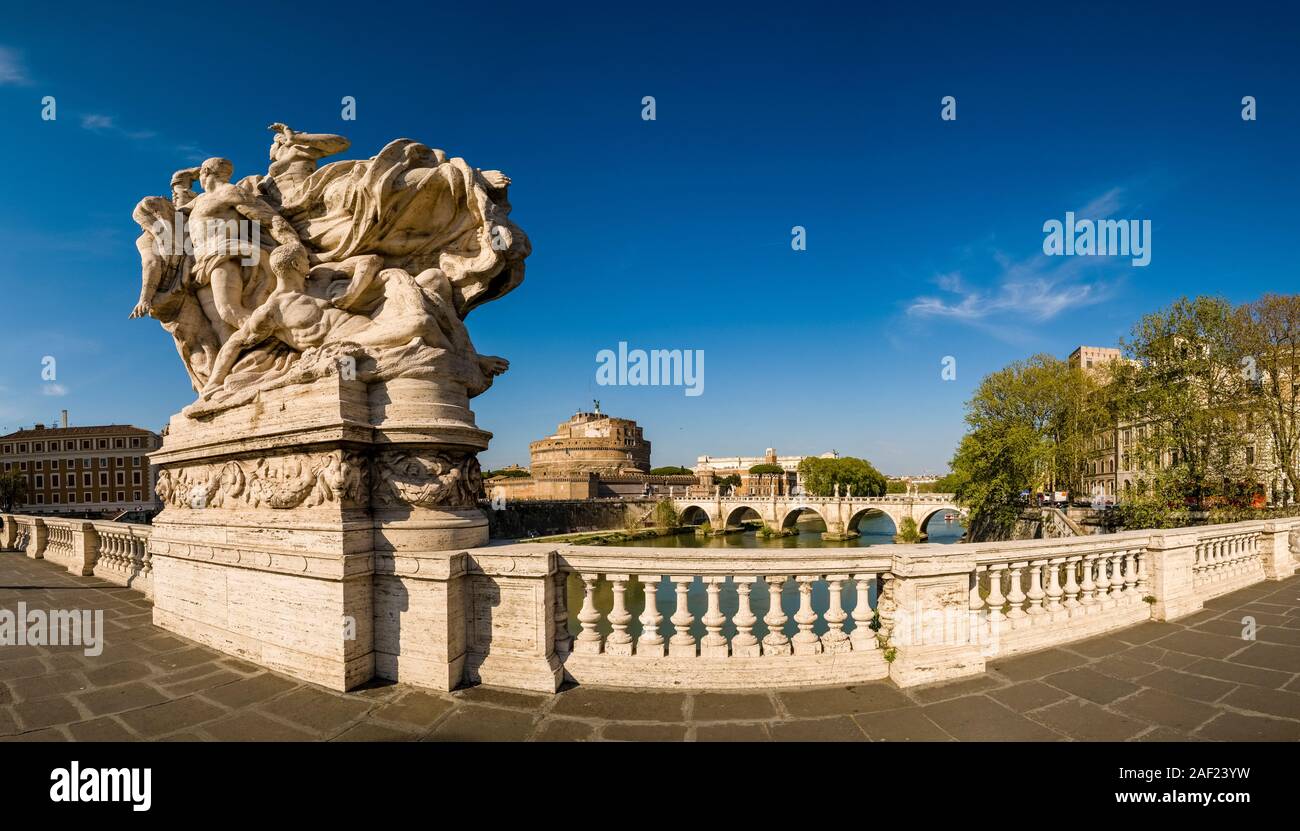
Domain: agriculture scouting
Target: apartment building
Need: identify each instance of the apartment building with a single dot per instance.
(1115, 464)
(99, 471)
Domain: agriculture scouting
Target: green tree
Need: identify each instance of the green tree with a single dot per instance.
(820, 476)
(908, 532)
(766, 468)
(1029, 425)
(13, 490)
(1269, 335)
(895, 486)
(666, 514)
(671, 470)
(1185, 389)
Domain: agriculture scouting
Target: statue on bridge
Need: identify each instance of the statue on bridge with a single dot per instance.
(366, 267)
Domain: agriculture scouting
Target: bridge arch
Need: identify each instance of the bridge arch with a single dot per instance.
(855, 521)
(792, 516)
(931, 513)
(692, 515)
(740, 513)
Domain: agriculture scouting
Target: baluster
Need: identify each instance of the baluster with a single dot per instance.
(976, 602)
(775, 641)
(713, 644)
(805, 642)
(835, 639)
(996, 600)
(1144, 581)
(682, 643)
(1036, 593)
(1130, 573)
(1103, 577)
(863, 638)
(563, 640)
(588, 641)
(651, 642)
(1054, 591)
(1117, 575)
(619, 641)
(744, 644)
(1016, 596)
(1088, 587)
(1071, 583)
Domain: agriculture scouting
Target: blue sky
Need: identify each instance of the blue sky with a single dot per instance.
(924, 237)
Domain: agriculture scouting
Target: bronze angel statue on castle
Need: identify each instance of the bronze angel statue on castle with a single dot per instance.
(280, 279)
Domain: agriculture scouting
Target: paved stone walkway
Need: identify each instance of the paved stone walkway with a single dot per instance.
(1196, 679)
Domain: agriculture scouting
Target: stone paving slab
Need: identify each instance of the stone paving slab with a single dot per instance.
(1189, 680)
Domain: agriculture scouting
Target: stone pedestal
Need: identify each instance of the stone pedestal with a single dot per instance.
(925, 612)
(1170, 557)
(1275, 549)
(275, 515)
(8, 532)
(85, 549)
(511, 629)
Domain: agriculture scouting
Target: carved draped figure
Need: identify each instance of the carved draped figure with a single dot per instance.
(398, 249)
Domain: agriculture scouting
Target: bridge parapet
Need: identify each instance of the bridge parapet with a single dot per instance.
(913, 613)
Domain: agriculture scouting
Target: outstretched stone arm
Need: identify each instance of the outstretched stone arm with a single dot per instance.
(151, 271)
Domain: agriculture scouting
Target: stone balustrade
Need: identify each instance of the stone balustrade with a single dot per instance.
(756, 623)
(532, 615)
(1226, 562)
(113, 551)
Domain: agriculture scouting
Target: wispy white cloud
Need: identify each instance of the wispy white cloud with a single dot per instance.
(1037, 288)
(56, 390)
(12, 71)
(93, 121)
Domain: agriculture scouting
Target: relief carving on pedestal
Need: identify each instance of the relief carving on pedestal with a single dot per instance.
(427, 479)
(278, 482)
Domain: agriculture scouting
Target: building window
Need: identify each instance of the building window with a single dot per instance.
(103, 478)
(119, 443)
(1250, 455)
(85, 444)
(54, 499)
(103, 444)
(135, 478)
(40, 481)
(22, 465)
(85, 497)
(38, 447)
(103, 462)
(135, 442)
(40, 465)
(103, 496)
(9, 448)
(85, 479)
(54, 480)
(121, 461)
(135, 496)
(40, 499)
(121, 496)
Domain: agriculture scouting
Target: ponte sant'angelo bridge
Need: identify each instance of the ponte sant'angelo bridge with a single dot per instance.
(842, 514)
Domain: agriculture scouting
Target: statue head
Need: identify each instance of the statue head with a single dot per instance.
(289, 263)
(215, 172)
